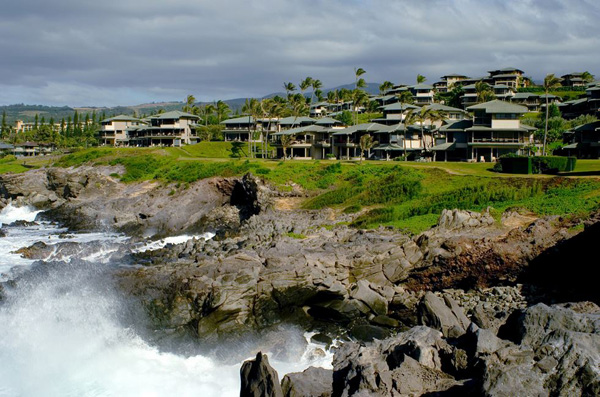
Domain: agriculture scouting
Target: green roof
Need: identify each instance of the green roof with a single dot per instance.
(121, 117)
(328, 121)
(457, 125)
(175, 114)
(365, 127)
(293, 120)
(524, 95)
(302, 130)
(444, 108)
(239, 120)
(444, 146)
(399, 106)
(497, 106)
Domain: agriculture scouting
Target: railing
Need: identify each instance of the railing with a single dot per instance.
(501, 140)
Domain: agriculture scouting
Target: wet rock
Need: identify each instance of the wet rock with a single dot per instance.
(259, 379)
(312, 382)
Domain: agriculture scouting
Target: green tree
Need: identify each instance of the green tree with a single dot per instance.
(366, 143)
(345, 117)
(484, 92)
(4, 130)
(587, 77)
(286, 142)
(316, 86)
(550, 82)
(222, 110)
(421, 79)
(189, 104)
(289, 89)
(251, 108)
(305, 84)
(385, 86)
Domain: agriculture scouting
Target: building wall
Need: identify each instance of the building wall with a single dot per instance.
(500, 124)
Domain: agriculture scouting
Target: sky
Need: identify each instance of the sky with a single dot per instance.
(128, 52)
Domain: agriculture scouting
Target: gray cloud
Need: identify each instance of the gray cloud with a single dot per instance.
(129, 51)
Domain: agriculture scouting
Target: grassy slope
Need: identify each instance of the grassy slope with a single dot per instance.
(404, 195)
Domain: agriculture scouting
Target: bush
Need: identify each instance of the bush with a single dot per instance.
(353, 209)
(552, 164)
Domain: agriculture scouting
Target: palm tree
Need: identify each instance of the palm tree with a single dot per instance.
(587, 77)
(305, 84)
(189, 104)
(484, 92)
(405, 97)
(434, 116)
(289, 88)
(250, 107)
(319, 95)
(550, 82)
(409, 119)
(207, 111)
(366, 143)
(385, 86)
(316, 85)
(222, 110)
(421, 78)
(286, 141)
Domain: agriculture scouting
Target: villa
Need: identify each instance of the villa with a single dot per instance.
(495, 130)
(113, 131)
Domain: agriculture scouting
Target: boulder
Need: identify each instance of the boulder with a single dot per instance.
(442, 314)
(259, 379)
(312, 382)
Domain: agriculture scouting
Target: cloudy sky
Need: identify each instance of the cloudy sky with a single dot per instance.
(126, 52)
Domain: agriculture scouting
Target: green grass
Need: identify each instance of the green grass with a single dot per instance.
(405, 195)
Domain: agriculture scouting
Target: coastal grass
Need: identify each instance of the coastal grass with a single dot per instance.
(405, 195)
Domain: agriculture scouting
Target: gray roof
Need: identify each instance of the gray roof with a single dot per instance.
(6, 146)
(422, 86)
(239, 120)
(365, 127)
(175, 114)
(328, 121)
(497, 106)
(444, 108)
(121, 117)
(293, 120)
(302, 130)
(525, 95)
(388, 147)
(444, 146)
(457, 125)
(399, 106)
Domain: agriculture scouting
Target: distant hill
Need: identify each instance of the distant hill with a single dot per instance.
(27, 113)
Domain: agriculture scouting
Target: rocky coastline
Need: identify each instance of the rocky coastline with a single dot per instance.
(472, 306)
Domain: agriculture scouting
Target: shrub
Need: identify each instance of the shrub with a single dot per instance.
(352, 209)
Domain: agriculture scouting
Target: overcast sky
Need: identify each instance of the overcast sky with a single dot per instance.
(126, 52)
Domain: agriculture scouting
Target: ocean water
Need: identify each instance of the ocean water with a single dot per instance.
(65, 330)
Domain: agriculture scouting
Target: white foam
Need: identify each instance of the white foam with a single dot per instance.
(158, 244)
(10, 214)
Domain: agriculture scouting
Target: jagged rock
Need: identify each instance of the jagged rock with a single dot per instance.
(386, 368)
(458, 219)
(312, 382)
(444, 315)
(365, 293)
(259, 379)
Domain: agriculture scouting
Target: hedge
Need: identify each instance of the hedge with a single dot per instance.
(537, 164)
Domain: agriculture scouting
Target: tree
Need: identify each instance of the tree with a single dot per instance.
(289, 88)
(359, 83)
(385, 86)
(189, 104)
(484, 92)
(208, 111)
(421, 79)
(250, 107)
(366, 143)
(222, 110)
(4, 125)
(405, 97)
(587, 77)
(316, 86)
(550, 82)
(305, 84)
(345, 117)
(286, 142)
